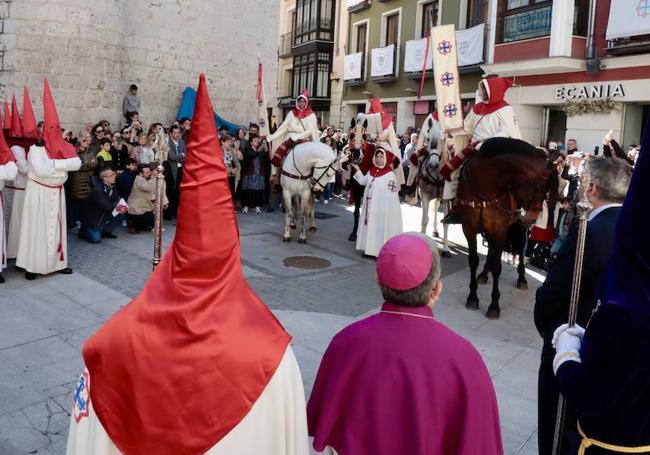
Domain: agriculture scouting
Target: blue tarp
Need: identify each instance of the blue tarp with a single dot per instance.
(187, 110)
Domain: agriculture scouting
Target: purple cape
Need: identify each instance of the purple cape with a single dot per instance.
(403, 384)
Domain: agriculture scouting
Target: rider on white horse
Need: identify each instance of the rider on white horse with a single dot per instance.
(300, 125)
(491, 116)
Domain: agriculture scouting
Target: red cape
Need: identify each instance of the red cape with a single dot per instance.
(180, 366)
(498, 87)
(393, 384)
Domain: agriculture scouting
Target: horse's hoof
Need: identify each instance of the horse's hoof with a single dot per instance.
(493, 313)
(436, 234)
(302, 240)
(313, 229)
(482, 279)
(522, 285)
(472, 304)
(292, 226)
(446, 254)
(286, 239)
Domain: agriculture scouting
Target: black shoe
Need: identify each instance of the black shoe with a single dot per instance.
(108, 235)
(352, 237)
(30, 276)
(2, 279)
(19, 269)
(66, 271)
(451, 218)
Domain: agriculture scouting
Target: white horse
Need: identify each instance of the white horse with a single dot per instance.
(430, 183)
(308, 166)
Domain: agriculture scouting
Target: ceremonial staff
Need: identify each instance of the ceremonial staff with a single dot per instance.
(158, 216)
(583, 206)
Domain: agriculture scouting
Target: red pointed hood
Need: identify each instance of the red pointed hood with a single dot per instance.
(30, 126)
(6, 121)
(306, 112)
(496, 88)
(179, 367)
(377, 108)
(16, 125)
(5, 152)
(55, 146)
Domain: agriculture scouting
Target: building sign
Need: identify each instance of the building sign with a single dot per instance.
(590, 92)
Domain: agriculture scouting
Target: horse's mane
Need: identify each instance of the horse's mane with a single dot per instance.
(498, 146)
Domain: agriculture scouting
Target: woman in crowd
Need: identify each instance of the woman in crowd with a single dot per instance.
(119, 152)
(143, 153)
(253, 170)
(81, 181)
(232, 163)
(327, 191)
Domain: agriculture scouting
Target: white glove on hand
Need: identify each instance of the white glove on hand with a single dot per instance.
(567, 342)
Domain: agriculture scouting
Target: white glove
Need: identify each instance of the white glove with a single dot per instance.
(567, 342)
(8, 171)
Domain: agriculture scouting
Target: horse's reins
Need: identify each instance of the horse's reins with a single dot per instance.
(311, 173)
(424, 171)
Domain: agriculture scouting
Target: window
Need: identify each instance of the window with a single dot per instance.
(429, 17)
(311, 71)
(314, 21)
(476, 12)
(362, 33)
(524, 19)
(392, 29)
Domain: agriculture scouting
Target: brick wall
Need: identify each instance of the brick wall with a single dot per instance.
(92, 50)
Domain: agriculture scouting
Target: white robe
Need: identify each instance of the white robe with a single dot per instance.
(296, 129)
(18, 200)
(43, 224)
(275, 425)
(7, 172)
(381, 216)
(500, 123)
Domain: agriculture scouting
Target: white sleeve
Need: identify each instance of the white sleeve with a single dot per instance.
(282, 129)
(361, 178)
(509, 118)
(68, 164)
(8, 171)
(21, 159)
(40, 163)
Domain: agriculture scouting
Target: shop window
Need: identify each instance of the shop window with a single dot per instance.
(523, 19)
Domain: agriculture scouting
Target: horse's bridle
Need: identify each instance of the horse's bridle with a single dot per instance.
(424, 171)
(311, 173)
(327, 168)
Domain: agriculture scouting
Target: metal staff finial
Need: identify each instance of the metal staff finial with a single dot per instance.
(583, 207)
(158, 216)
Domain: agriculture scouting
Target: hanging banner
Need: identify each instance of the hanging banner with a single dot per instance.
(383, 59)
(446, 78)
(352, 66)
(628, 18)
(414, 56)
(470, 45)
(262, 114)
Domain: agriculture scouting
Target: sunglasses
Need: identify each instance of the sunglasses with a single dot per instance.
(99, 131)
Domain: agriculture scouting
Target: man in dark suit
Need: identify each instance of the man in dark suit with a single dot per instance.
(175, 160)
(609, 179)
(97, 219)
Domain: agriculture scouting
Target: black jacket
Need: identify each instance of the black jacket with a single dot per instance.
(554, 295)
(99, 206)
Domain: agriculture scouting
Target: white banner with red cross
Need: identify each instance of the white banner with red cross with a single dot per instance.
(446, 78)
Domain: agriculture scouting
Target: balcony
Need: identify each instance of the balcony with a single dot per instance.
(384, 63)
(357, 5)
(629, 45)
(525, 25)
(286, 44)
(354, 69)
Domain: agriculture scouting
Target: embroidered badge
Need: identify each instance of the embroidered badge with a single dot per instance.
(447, 79)
(444, 47)
(392, 186)
(450, 110)
(81, 400)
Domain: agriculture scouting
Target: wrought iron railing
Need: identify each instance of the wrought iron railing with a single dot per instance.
(529, 24)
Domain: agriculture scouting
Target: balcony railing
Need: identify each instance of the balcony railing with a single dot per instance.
(631, 45)
(526, 25)
(286, 43)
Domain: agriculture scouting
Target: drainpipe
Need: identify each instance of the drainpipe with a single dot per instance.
(591, 46)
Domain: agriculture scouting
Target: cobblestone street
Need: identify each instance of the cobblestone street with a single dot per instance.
(44, 323)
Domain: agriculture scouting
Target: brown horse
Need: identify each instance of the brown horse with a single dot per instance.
(506, 181)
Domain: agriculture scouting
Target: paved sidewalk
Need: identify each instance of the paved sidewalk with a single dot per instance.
(44, 323)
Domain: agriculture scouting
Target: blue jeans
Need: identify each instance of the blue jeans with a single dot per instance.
(327, 192)
(94, 235)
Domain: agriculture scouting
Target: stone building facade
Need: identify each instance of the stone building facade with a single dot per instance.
(92, 50)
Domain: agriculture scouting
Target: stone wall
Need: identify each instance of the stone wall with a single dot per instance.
(92, 50)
